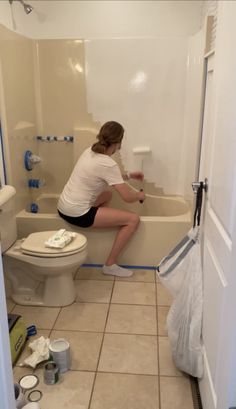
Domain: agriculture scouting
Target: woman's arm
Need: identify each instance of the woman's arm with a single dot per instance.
(129, 195)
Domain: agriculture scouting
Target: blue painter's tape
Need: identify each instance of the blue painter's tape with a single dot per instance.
(122, 265)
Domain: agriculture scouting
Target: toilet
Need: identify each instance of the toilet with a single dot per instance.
(38, 275)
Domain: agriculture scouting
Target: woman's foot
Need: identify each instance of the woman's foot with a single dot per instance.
(116, 270)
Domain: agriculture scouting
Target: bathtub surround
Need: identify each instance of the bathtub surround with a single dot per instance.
(147, 96)
(219, 254)
(64, 98)
(18, 113)
(74, 71)
(104, 19)
(43, 111)
(60, 75)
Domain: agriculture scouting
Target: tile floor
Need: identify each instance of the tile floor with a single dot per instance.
(120, 352)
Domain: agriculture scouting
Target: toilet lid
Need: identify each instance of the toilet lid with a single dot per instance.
(34, 245)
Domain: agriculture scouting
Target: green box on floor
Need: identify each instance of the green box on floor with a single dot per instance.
(17, 334)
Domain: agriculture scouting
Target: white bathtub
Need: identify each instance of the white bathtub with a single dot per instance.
(164, 221)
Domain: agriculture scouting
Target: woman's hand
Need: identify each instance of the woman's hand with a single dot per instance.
(136, 175)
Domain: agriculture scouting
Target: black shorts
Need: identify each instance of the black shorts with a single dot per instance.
(86, 220)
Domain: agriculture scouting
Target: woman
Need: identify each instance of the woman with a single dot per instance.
(84, 200)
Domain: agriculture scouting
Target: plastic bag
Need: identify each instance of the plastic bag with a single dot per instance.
(170, 269)
(181, 273)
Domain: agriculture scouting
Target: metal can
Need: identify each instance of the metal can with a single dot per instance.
(51, 373)
(60, 352)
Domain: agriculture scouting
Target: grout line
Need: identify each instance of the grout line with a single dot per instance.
(117, 280)
(134, 373)
(125, 373)
(38, 368)
(101, 332)
(117, 303)
(130, 333)
(56, 319)
(99, 355)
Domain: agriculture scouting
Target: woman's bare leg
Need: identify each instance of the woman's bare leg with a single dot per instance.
(128, 223)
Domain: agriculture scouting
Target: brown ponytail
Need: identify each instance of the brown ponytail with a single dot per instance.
(111, 132)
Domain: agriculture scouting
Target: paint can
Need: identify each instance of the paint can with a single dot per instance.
(60, 352)
(28, 382)
(51, 373)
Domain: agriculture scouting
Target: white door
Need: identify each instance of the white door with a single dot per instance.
(218, 164)
(6, 375)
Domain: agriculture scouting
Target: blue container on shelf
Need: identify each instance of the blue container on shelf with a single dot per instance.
(35, 183)
(32, 208)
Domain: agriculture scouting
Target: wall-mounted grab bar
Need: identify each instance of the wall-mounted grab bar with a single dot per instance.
(55, 138)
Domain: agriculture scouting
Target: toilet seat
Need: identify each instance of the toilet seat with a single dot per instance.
(34, 245)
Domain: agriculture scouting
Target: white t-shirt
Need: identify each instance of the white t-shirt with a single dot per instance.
(91, 175)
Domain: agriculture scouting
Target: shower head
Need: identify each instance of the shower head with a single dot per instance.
(27, 7)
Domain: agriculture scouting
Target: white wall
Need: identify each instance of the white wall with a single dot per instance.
(103, 19)
(141, 83)
(159, 103)
(147, 39)
(5, 14)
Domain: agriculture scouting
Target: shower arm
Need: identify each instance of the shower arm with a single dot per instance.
(27, 7)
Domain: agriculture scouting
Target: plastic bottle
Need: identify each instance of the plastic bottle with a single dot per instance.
(36, 183)
(32, 208)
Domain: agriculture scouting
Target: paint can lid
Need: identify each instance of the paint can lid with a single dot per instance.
(35, 396)
(28, 381)
(59, 345)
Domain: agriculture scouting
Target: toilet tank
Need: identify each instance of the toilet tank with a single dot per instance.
(7, 217)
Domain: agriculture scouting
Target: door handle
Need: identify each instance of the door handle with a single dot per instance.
(196, 185)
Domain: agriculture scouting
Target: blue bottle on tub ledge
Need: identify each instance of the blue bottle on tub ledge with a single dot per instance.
(32, 208)
(36, 183)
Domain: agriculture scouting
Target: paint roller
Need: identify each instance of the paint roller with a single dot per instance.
(141, 151)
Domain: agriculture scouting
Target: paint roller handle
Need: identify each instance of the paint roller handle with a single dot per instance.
(141, 200)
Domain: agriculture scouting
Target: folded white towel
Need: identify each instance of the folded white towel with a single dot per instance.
(60, 239)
